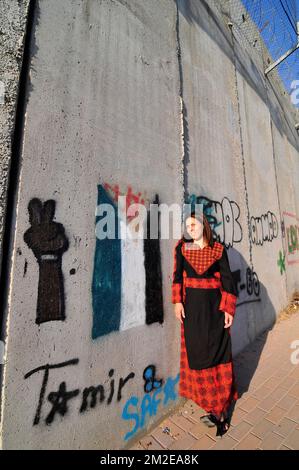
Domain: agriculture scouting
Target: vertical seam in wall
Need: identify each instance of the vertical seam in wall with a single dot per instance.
(184, 123)
(276, 182)
(267, 83)
(13, 177)
(242, 155)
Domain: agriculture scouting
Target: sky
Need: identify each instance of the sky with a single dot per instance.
(276, 21)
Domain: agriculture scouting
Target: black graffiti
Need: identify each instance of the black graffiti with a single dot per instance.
(282, 225)
(48, 242)
(264, 228)
(59, 399)
(223, 218)
(46, 368)
(150, 381)
(252, 282)
(237, 279)
(90, 394)
(153, 270)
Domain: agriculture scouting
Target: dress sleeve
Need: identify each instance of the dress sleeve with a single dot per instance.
(177, 276)
(229, 292)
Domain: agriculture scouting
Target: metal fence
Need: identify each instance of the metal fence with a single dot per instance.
(275, 22)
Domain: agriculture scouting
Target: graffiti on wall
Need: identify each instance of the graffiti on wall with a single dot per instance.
(138, 411)
(48, 242)
(281, 262)
(223, 217)
(127, 273)
(263, 228)
(60, 398)
(290, 229)
(135, 410)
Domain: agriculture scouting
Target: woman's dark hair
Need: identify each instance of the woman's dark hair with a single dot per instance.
(207, 231)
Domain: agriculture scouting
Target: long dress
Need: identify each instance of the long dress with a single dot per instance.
(203, 282)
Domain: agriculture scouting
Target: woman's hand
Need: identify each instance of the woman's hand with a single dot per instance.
(179, 311)
(228, 320)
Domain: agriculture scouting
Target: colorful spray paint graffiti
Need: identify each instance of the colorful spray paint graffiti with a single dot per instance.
(103, 394)
(48, 242)
(290, 239)
(139, 411)
(223, 217)
(127, 274)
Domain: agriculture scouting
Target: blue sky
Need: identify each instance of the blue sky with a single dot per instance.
(276, 21)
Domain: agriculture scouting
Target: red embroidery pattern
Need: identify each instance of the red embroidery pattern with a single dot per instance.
(213, 389)
(228, 303)
(176, 295)
(201, 258)
(204, 283)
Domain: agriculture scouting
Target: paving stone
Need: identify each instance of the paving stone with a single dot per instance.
(181, 421)
(238, 416)
(198, 430)
(250, 442)
(255, 416)
(175, 431)
(262, 392)
(285, 427)
(276, 414)
(163, 438)
(292, 440)
(294, 391)
(240, 431)
(195, 416)
(262, 428)
(293, 413)
(271, 442)
(249, 404)
(268, 403)
(203, 443)
(287, 382)
(225, 443)
(149, 443)
(183, 443)
(287, 402)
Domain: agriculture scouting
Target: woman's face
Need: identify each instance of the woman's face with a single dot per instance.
(194, 228)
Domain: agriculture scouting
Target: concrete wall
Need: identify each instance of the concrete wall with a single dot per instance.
(13, 18)
(155, 101)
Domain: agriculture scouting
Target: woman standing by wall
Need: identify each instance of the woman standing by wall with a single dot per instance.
(204, 297)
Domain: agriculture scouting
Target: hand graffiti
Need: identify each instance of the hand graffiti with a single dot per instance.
(48, 242)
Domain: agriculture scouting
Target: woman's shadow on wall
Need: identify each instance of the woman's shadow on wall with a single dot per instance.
(255, 316)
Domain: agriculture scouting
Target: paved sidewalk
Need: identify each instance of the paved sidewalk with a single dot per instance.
(267, 414)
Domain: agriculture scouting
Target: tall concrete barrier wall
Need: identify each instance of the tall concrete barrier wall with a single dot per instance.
(157, 102)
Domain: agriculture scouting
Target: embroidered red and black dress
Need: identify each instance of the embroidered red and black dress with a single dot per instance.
(203, 282)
